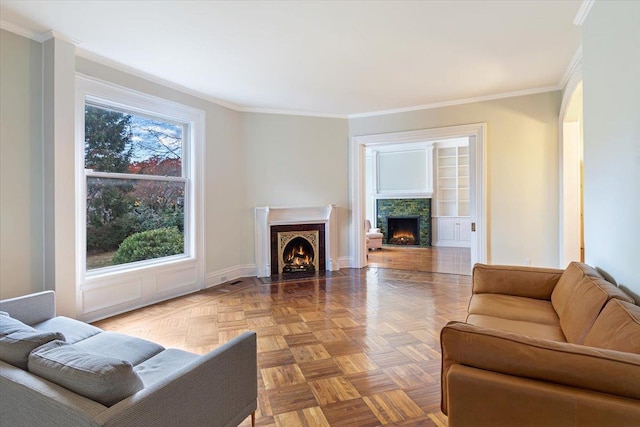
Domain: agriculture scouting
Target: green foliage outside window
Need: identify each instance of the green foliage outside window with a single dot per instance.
(118, 209)
(150, 244)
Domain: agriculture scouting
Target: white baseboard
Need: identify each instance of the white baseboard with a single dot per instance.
(346, 262)
(451, 245)
(228, 274)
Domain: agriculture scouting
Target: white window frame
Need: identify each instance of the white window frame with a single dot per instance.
(107, 291)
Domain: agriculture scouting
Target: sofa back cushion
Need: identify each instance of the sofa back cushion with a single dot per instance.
(104, 379)
(564, 289)
(616, 328)
(17, 340)
(527, 282)
(579, 304)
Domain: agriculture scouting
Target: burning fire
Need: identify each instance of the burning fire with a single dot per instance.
(298, 257)
(403, 235)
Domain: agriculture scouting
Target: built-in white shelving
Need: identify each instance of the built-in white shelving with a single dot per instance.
(452, 181)
(452, 224)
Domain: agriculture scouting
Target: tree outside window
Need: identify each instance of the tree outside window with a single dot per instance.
(135, 187)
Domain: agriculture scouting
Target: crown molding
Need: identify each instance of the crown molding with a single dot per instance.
(574, 64)
(458, 102)
(583, 11)
(38, 37)
(51, 34)
(154, 79)
(293, 113)
(21, 31)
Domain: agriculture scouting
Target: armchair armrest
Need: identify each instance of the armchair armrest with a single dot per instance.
(589, 368)
(218, 389)
(530, 282)
(32, 308)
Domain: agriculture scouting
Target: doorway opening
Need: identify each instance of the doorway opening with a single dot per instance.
(476, 135)
(571, 186)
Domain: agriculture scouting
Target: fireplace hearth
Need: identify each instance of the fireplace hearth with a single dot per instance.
(298, 256)
(403, 210)
(269, 221)
(297, 249)
(403, 230)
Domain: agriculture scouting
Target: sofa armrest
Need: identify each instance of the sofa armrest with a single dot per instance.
(28, 400)
(579, 366)
(218, 389)
(32, 308)
(529, 282)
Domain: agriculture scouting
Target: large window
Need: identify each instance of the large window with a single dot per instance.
(135, 186)
(139, 198)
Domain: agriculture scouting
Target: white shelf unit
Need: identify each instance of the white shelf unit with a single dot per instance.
(452, 192)
(452, 223)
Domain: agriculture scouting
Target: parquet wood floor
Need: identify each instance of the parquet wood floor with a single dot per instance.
(433, 259)
(356, 348)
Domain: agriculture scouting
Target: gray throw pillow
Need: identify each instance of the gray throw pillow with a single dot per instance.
(104, 379)
(17, 340)
(9, 325)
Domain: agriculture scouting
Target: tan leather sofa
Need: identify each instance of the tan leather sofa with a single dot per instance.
(543, 347)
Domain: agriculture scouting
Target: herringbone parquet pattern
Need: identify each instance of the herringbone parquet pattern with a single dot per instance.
(355, 348)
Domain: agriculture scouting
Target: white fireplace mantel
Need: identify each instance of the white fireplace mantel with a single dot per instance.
(267, 216)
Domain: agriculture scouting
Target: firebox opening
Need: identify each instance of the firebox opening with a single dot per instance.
(298, 256)
(403, 230)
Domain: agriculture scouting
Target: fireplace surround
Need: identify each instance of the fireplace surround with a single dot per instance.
(295, 222)
(403, 230)
(297, 248)
(404, 208)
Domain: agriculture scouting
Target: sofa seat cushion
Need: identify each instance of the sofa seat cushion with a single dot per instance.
(122, 347)
(72, 329)
(514, 308)
(163, 364)
(17, 340)
(616, 328)
(103, 379)
(530, 329)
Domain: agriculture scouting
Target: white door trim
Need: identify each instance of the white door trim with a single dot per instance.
(569, 141)
(477, 151)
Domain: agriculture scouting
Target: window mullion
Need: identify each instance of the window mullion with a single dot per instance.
(114, 175)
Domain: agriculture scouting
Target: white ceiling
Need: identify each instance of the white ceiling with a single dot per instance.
(332, 57)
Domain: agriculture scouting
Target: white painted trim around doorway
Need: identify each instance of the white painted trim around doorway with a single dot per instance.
(569, 147)
(477, 150)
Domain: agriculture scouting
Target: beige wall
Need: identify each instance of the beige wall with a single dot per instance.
(611, 76)
(296, 161)
(21, 194)
(522, 169)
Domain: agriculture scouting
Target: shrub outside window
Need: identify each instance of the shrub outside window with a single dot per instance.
(135, 184)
